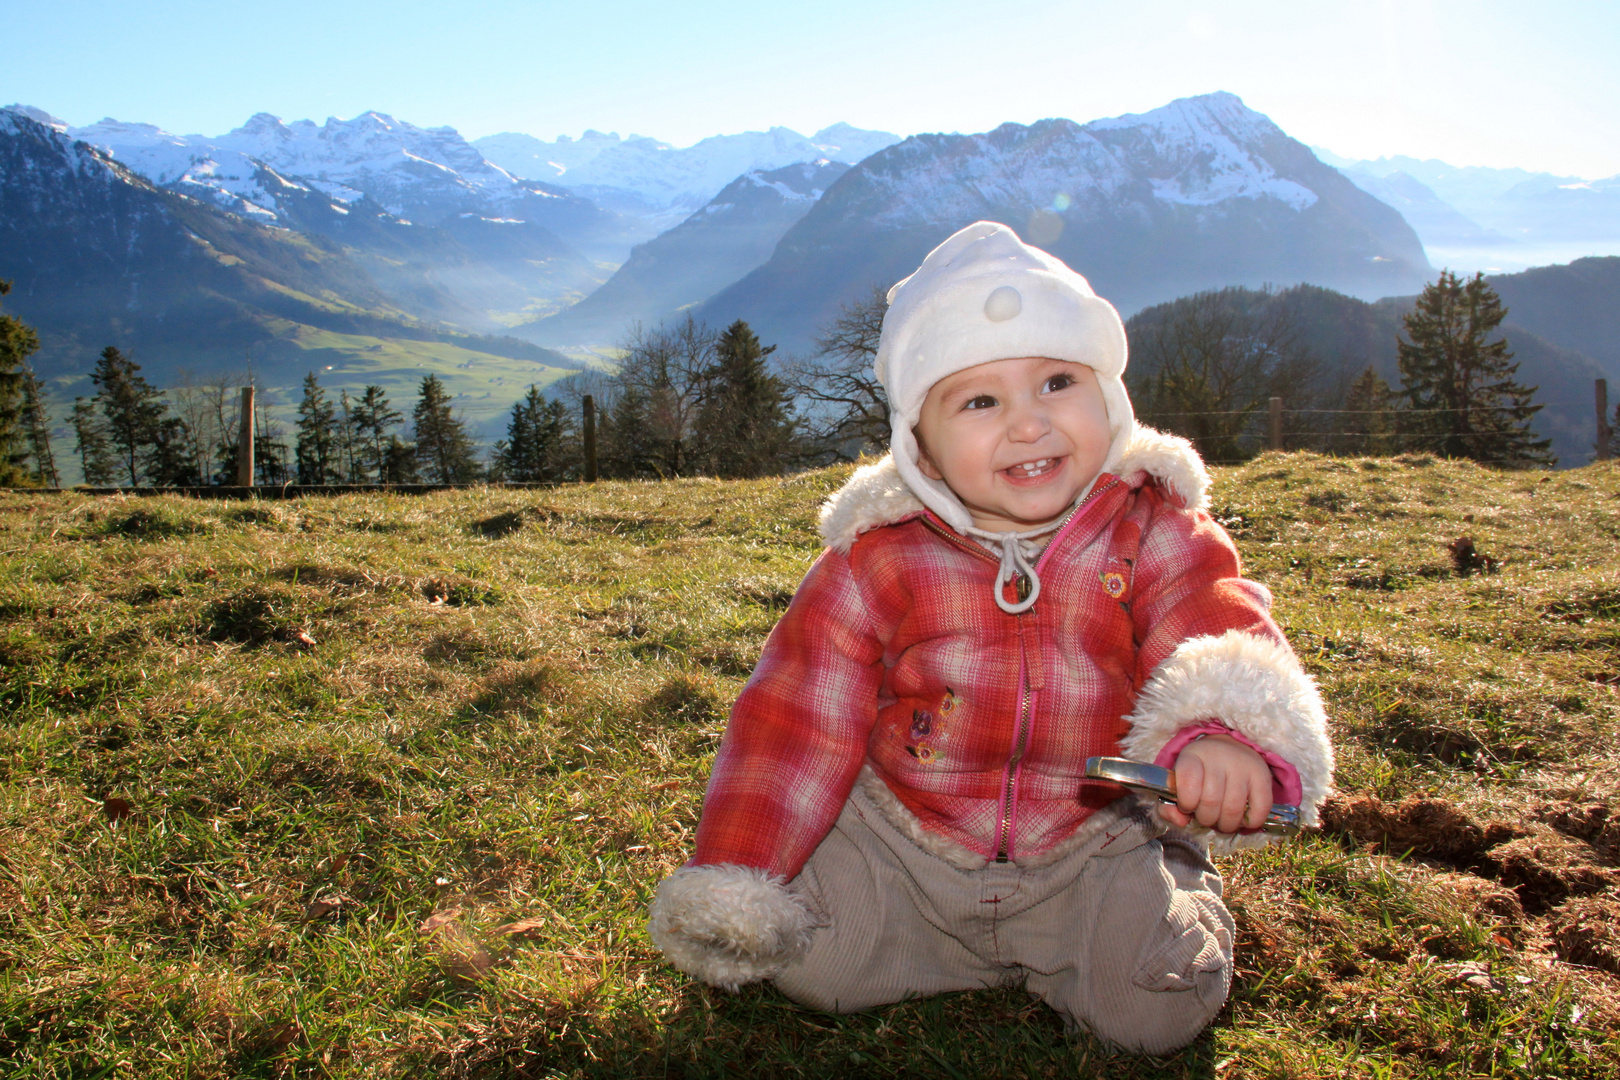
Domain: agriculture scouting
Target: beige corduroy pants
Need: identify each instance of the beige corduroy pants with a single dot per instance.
(1126, 936)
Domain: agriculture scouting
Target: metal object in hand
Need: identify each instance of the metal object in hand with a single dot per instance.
(1155, 780)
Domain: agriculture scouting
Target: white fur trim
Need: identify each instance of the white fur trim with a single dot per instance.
(877, 495)
(895, 813)
(1251, 684)
(873, 495)
(1169, 459)
(728, 925)
(964, 858)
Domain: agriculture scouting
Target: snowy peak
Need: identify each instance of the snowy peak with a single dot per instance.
(1204, 150)
(645, 176)
(39, 116)
(842, 142)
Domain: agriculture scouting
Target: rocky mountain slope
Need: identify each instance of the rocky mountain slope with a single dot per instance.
(735, 232)
(1201, 193)
(101, 256)
(655, 182)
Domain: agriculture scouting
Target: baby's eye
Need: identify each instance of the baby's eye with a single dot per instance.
(983, 401)
(1059, 382)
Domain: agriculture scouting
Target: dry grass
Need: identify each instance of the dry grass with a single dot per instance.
(371, 786)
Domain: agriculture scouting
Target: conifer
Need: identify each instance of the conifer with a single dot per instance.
(1464, 402)
(744, 427)
(444, 452)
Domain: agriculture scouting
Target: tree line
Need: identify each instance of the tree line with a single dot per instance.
(1207, 366)
(688, 400)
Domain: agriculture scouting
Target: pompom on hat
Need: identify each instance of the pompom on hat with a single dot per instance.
(985, 295)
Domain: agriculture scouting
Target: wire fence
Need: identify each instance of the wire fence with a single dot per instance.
(1235, 436)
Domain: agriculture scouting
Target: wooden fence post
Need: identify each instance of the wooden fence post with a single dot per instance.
(590, 439)
(1604, 432)
(1276, 423)
(244, 442)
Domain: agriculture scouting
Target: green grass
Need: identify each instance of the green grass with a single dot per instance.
(247, 750)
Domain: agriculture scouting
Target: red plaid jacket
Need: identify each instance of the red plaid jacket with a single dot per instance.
(894, 655)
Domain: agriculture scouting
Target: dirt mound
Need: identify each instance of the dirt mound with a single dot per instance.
(1548, 867)
(1482, 897)
(1587, 931)
(1594, 823)
(1428, 828)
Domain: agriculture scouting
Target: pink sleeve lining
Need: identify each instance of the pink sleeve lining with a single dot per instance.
(1285, 785)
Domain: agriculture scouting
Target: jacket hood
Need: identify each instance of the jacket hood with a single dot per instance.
(876, 494)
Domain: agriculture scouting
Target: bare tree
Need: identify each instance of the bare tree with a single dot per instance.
(1205, 366)
(841, 401)
(208, 409)
(670, 367)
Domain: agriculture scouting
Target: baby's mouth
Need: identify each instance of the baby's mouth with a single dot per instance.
(1033, 470)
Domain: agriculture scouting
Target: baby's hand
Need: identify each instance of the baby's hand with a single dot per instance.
(1217, 777)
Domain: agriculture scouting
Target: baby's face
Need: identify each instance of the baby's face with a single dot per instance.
(1016, 440)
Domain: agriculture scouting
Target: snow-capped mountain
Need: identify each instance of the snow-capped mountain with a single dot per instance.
(100, 255)
(534, 159)
(712, 248)
(418, 175)
(1522, 218)
(653, 180)
(1199, 194)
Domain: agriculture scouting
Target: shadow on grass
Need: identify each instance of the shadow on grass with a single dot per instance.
(759, 1033)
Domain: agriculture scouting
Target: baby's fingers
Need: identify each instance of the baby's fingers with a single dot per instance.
(1189, 785)
(1234, 803)
(1259, 801)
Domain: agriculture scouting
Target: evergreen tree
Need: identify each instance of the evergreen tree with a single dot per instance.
(17, 341)
(170, 461)
(626, 448)
(744, 427)
(373, 419)
(270, 448)
(317, 435)
(348, 440)
(399, 463)
(1459, 384)
(444, 453)
(1370, 404)
(37, 425)
(94, 448)
(132, 407)
(534, 436)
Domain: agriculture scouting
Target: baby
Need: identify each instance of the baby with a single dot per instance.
(1029, 579)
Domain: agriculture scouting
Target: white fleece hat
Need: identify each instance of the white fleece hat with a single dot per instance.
(985, 295)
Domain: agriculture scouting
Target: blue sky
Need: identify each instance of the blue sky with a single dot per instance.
(1472, 82)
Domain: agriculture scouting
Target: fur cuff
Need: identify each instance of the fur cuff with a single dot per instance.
(727, 925)
(1251, 684)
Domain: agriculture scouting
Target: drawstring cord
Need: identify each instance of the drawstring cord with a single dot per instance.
(1015, 563)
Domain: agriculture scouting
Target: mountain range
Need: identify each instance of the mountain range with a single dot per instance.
(1199, 194)
(376, 250)
(1480, 218)
(100, 255)
(653, 181)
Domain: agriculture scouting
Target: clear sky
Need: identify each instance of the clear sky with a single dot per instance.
(1472, 82)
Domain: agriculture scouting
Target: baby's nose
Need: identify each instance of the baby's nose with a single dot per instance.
(1029, 423)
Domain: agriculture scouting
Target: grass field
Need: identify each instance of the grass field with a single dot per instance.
(379, 786)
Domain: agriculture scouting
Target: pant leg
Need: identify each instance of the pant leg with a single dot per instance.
(1148, 960)
(883, 938)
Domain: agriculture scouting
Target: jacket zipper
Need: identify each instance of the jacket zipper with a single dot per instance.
(1021, 733)
(1020, 744)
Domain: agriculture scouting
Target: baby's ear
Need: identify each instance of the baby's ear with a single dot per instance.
(925, 464)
